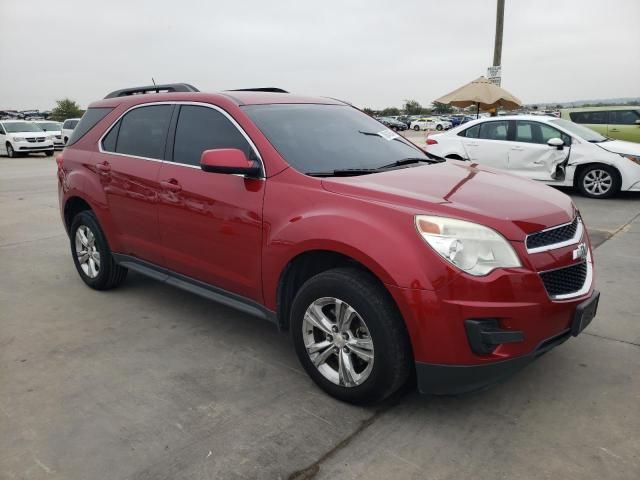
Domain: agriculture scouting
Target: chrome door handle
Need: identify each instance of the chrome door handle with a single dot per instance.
(171, 185)
(103, 167)
(519, 149)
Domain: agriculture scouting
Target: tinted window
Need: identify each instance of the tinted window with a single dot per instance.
(535, 132)
(321, 138)
(143, 131)
(589, 117)
(472, 132)
(623, 117)
(493, 130)
(109, 141)
(87, 122)
(203, 128)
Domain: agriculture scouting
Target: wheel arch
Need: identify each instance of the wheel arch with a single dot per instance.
(309, 263)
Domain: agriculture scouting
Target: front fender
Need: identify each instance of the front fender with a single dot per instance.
(381, 237)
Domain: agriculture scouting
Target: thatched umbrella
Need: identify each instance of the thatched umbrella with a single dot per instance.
(482, 93)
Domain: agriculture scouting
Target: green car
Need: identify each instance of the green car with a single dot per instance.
(621, 123)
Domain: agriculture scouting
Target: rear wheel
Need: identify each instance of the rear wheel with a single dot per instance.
(91, 255)
(438, 127)
(416, 128)
(599, 181)
(349, 336)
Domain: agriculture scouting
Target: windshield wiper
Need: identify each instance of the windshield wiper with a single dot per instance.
(344, 172)
(408, 161)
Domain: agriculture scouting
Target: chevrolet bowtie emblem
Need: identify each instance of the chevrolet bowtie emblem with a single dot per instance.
(580, 252)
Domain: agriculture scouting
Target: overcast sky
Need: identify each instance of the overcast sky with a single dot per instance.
(371, 53)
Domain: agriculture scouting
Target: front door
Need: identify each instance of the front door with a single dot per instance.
(529, 154)
(210, 223)
(623, 125)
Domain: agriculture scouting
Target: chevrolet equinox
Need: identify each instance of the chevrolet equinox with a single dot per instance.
(384, 263)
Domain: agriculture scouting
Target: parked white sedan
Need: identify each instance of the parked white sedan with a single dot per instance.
(430, 123)
(547, 149)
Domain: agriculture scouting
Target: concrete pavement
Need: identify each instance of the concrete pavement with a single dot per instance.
(149, 382)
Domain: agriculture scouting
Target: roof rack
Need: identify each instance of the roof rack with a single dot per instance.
(259, 89)
(168, 87)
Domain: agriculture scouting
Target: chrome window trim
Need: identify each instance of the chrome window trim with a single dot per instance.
(200, 104)
(585, 287)
(572, 241)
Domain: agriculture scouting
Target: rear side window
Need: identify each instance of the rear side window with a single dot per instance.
(87, 122)
(599, 117)
(493, 130)
(623, 117)
(142, 132)
(203, 128)
(472, 132)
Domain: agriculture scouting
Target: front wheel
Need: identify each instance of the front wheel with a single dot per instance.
(438, 127)
(350, 337)
(49, 153)
(11, 153)
(416, 128)
(599, 181)
(91, 255)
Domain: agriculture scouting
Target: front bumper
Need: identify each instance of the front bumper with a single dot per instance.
(33, 146)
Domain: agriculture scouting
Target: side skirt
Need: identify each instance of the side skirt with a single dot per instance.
(195, 286)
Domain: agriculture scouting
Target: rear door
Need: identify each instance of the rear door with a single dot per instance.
(211, 224)
(487, 143)
(529, 154)
(623, 126)
(128, 165)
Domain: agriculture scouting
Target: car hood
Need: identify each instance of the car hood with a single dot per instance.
(621, 146)
(28, 134)
(512, 205)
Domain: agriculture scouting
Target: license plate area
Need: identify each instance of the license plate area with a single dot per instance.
(585, 313)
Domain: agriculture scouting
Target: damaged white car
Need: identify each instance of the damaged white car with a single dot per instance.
(547, 149)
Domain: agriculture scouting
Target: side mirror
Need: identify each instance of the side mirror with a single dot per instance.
(230, 161)
(556, 142)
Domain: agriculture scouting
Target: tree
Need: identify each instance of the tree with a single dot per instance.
(412, 107)
(389, 111)
(66, 108)
(442, 108)
(368, 111)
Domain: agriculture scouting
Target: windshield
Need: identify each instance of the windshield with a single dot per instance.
(322, 138)
(14, 127)
(579, 131)
(49, 126)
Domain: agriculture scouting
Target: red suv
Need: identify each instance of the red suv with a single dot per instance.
(382, 262)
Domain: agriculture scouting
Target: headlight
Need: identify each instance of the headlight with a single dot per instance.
(473, 248)
(19, 139)
(633, 158)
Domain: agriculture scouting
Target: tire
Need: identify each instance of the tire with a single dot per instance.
(416, 128)
(108, 273)
(599, 181)
(438, 127)
(49, 153)
(11, 153)
(375, 329)
(66, 139)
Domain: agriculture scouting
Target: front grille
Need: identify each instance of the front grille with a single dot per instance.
(553, 235)
(35, 139)
(565, 280)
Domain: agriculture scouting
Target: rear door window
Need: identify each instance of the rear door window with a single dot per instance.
(204, 128)
(494, 130)
(594, 118)
(143, 132)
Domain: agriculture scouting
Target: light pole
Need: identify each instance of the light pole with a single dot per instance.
(497, 47)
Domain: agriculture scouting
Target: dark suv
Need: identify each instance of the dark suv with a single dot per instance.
(382, 262)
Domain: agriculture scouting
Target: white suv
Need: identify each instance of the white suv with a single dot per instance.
(68, 127)
(430, 123)
(54, 130)
(18, 138)
(547, 149)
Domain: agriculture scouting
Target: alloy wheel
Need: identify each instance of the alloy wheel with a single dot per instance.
(598, 182)
(87, 251)
(338, 342)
